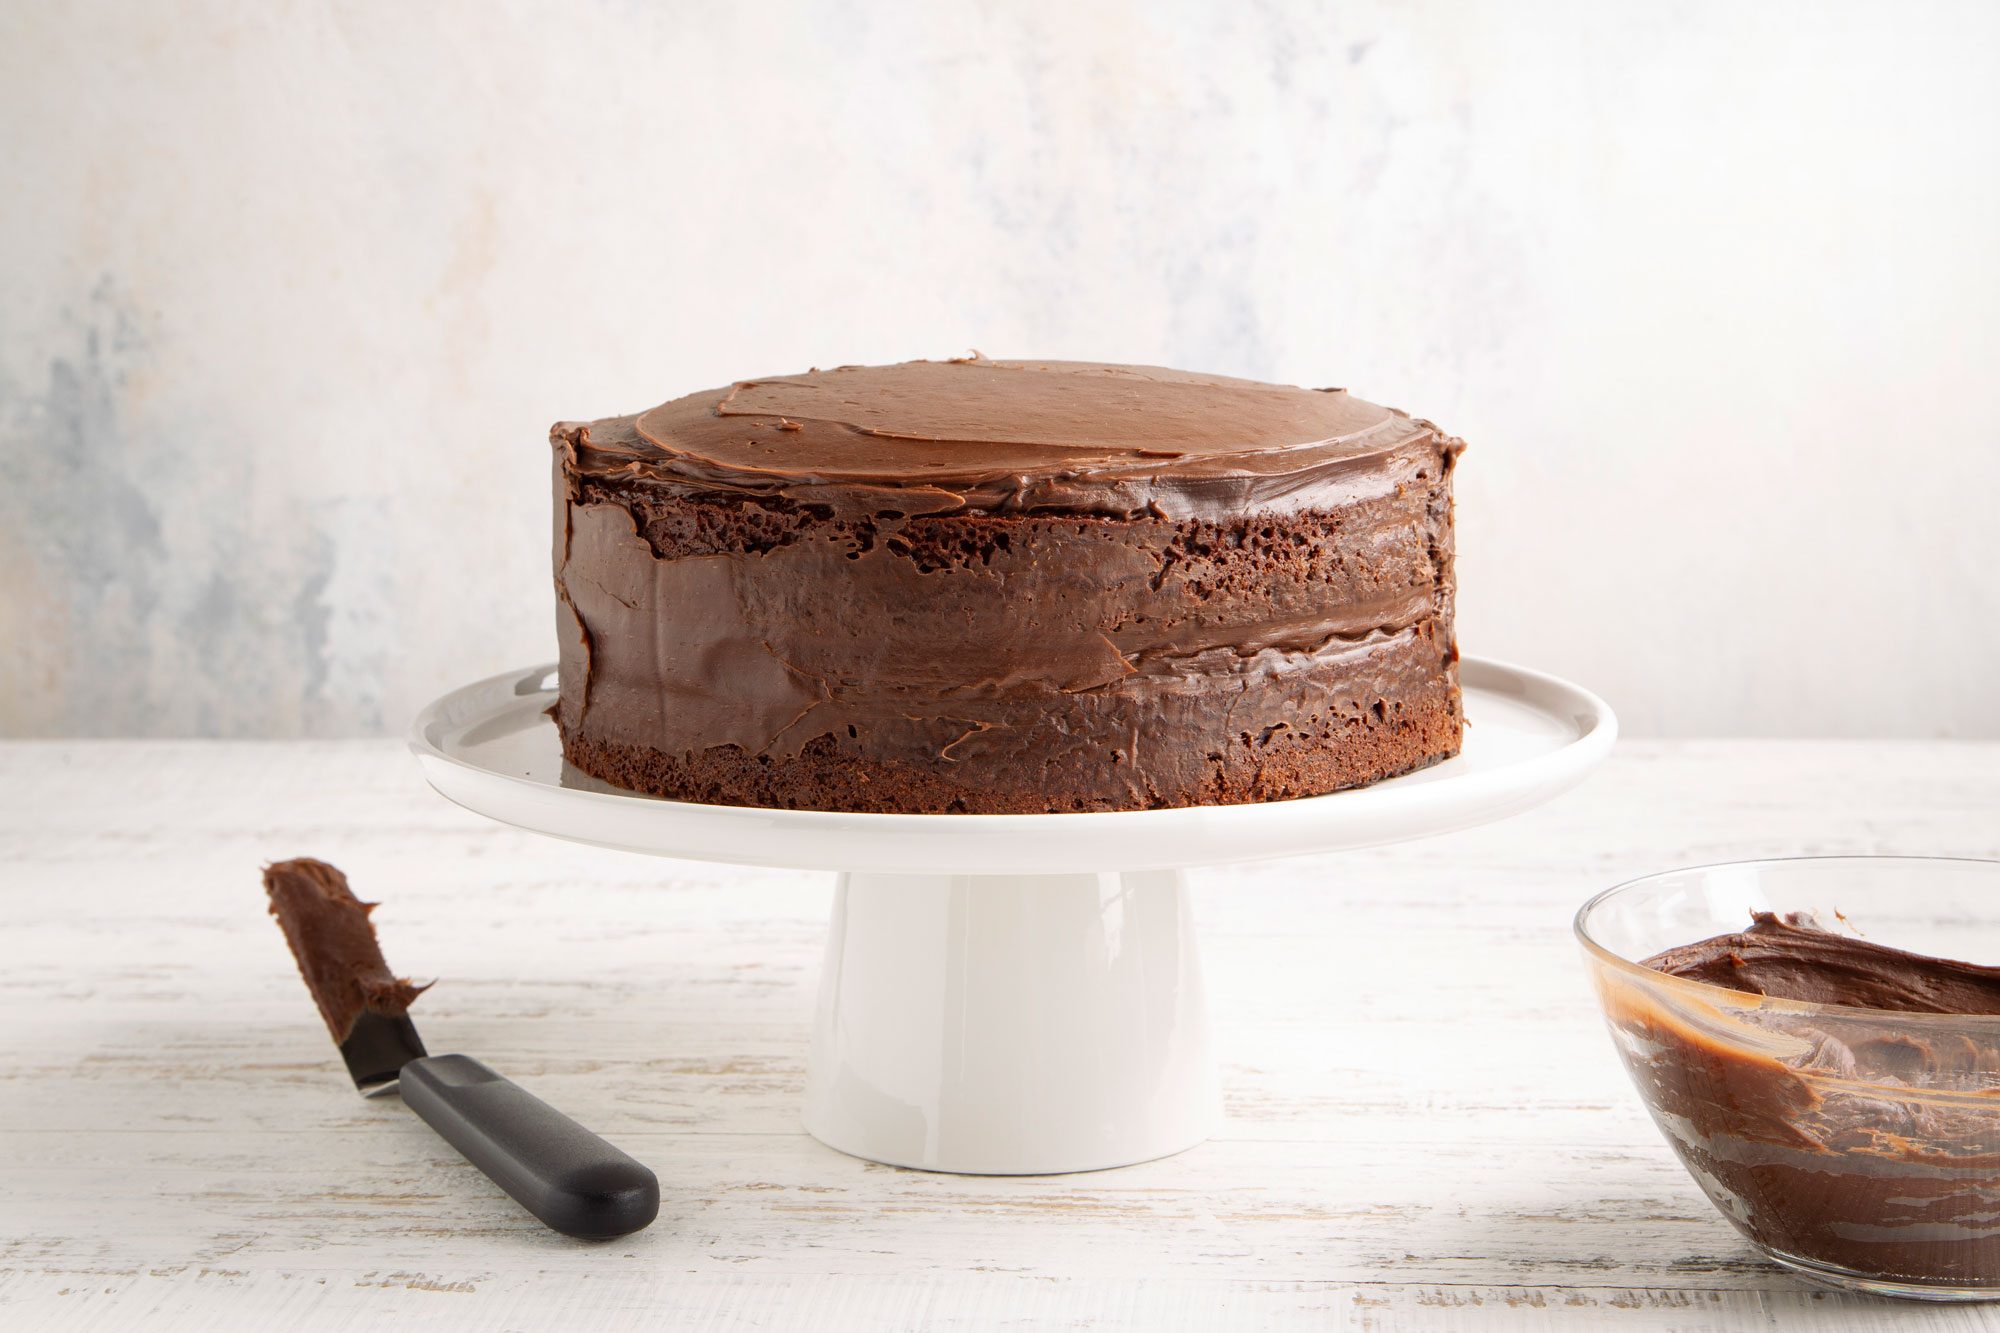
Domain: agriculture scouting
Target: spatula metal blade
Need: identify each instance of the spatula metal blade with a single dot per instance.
(378, 1048)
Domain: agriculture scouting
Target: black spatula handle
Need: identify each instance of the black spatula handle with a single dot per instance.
(555, 1168)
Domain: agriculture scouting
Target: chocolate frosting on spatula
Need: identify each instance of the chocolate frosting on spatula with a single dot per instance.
(335, 945)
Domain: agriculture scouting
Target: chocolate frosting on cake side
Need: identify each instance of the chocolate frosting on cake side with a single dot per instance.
(996, 586)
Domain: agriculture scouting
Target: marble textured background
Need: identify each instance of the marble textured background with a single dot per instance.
(290, 292)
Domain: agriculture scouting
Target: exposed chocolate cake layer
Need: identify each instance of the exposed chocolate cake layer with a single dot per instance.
(1001, 587)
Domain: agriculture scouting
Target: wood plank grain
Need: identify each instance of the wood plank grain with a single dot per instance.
(1425, 1125)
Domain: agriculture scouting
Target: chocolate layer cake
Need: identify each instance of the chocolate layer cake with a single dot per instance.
(1004, 586)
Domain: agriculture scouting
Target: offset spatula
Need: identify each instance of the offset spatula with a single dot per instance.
(565, 1175)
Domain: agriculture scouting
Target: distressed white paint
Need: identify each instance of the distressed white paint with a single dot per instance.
(292, 292)
(1426, 1128)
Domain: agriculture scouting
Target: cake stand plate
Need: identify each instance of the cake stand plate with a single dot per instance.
(1012, 994)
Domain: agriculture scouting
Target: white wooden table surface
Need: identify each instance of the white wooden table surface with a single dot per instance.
(1426, 1126)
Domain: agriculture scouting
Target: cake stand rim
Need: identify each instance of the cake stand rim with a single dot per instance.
(869, 839)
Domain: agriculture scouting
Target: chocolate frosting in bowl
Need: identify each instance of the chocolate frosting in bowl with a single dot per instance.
(1793, 957)
(1838, 1100)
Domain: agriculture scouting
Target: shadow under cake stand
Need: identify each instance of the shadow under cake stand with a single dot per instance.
(1012, 994)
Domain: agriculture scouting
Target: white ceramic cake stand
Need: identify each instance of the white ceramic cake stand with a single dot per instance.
(1012, 994)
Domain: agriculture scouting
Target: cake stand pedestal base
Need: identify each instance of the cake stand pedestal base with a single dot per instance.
(1011, 1024)
(1045, 1014)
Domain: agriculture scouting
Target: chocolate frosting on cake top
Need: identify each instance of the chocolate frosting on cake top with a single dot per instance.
(939, 436)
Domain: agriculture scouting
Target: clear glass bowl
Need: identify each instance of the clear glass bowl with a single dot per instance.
(1858, 1146)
